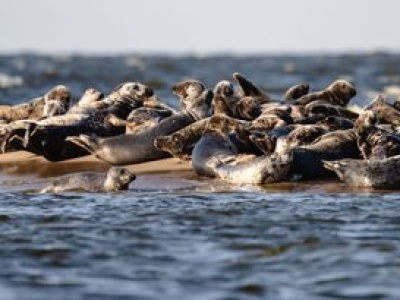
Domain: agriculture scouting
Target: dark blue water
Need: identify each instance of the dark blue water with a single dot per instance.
(191, 238)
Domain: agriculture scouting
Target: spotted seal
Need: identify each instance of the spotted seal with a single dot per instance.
(379, 174)
(48, 137)
(188, 90)
(129, 149)
(116, 179)
(308, 159)
(35, 109)
(322, 108)
(216, 156)
(339, 92)
(140, 119)
(224, 99)
(291, 137)
(226, 102)
(377, 143)
(180, 143)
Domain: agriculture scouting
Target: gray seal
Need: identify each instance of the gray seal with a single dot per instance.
(227, 102)
(116, 179)
(181, 143)
(216, 156)
(339, 92)
(188, 90)
(308, 159)
(140, 119)
(137, 148)
(379, 174)
(38, 108)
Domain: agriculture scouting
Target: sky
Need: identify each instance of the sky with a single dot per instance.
(203, 26)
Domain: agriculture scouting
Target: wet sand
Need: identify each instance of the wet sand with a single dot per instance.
(24, 163)
(170, 174)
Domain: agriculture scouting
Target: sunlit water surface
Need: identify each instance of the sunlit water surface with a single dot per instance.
(197, 240)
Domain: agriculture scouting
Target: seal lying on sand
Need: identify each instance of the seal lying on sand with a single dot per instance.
(308, 159)
(116, 179)
(35, 109)
(140, 119)
(216, 156)
(180, 143)
(137, 148)
(379, 174)
(48, 137)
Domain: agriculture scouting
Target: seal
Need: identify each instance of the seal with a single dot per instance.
(116, 179)
(339, 93)
(272, 117)
(140, 119)
(387, 115)
(90, 102)
(48, 137)
(291, 137)
(129, 149)
(322, 108)
(216, 156)
(376, 143)
(308, 159)
(336, 123)
(34, 109)
(224, 99)
(188, 90)
(181, 143)
(296, 91)
(378, 174)
(266, 142)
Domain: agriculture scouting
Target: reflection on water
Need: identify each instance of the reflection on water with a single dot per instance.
(187, 238)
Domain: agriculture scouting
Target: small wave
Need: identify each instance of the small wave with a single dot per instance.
(7, 81)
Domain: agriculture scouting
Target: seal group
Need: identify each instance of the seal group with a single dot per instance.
(234, 131)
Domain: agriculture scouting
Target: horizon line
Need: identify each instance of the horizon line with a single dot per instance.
(201, 53)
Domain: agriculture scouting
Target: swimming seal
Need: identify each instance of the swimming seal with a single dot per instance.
(116, 179)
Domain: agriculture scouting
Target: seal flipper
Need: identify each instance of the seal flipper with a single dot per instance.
(337, 166)
(89, 143)
(296, 91)
(249, 89)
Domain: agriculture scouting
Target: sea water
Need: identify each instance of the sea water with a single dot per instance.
(194, 238)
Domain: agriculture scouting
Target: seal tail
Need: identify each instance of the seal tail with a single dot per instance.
(89, 143)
